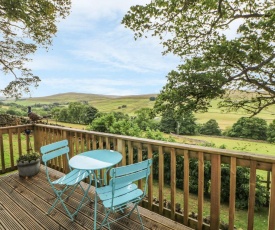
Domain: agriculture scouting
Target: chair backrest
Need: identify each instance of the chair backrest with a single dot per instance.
(131, 173)
(54, 150)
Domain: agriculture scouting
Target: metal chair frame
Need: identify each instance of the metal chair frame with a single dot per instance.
(122, 190)
(68, 182)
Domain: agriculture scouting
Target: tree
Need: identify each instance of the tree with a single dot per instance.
(63, 115)
(76, 111)
(25, 25)
(89, 114)
(168, 123)
(187, 124)
(271, 132)
(249, 127)
(180, 123)
(211, 127)
(214, 65)
(145, 119)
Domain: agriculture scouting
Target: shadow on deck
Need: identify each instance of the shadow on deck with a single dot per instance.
(25, 202)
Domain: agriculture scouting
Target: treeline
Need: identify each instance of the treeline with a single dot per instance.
(246, 127)
(144, 120)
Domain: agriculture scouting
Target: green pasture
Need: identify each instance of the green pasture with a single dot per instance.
(105, 103)
(7, 148)
(249, 146)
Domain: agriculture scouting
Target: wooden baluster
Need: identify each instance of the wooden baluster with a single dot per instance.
(271, 219)
(150, 180)
(2, 152)
(215, 191)
(11, 149)
(252, 192)
(232, 197)
(161, 179)
(173, 183)
(19, 142)
(139, 160)
(130, 153)
(200, 190)
(186, 186)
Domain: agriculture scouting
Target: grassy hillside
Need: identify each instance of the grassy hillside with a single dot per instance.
(108, 103)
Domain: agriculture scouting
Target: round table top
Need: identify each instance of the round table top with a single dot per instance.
(95, 159)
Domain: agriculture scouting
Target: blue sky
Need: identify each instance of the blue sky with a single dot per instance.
(94, 53)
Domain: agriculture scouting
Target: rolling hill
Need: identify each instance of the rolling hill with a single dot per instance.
(130, 104)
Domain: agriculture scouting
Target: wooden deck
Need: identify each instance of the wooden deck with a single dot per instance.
(25, 202)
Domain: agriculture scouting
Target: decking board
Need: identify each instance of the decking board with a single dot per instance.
(24, 204)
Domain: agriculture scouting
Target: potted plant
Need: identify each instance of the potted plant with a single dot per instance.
(28, 164)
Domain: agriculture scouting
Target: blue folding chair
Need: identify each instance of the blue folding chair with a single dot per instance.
(68, 182)
(122, 191)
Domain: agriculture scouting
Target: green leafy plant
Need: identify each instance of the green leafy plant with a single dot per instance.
(28, 157)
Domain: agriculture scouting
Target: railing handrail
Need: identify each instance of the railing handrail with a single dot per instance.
(224, 152)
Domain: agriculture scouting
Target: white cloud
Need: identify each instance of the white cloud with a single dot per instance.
(86, 13)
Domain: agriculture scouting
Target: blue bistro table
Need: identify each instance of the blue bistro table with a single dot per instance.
(95, 160)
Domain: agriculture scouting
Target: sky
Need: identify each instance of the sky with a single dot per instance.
(93, 52)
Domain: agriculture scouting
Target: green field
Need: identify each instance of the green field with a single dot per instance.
(106, 103)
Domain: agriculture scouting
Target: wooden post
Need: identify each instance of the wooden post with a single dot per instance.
(215, 191)
(271, 215)
(201, 190)
(121, 149)
(161, 179)
(252, 193)
(173, 183)
(186, 187)
(232, 197)
(150, 180)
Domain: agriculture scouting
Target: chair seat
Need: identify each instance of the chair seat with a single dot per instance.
(72, 178)
(123, 199)
(105, 192)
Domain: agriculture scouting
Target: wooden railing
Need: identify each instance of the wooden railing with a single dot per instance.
(135, 149)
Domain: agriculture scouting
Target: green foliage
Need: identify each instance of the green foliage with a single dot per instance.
(271, 132)
(188, 124)
(187, 92)
(214, 63)
(193, 180)
(172, 122)
(76, 113)
(125, 127)
(24, 25)
(145, 119)
(157, 135)
(242, 187)
(28, 157)
(117, 123)
(211, 127)
(103, 123)
(249, 127)
(168, 123)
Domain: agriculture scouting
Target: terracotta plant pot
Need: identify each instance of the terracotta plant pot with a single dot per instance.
(28, 169)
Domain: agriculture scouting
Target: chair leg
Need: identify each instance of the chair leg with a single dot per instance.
(140, 219)
(59, 194)
(107, 213)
